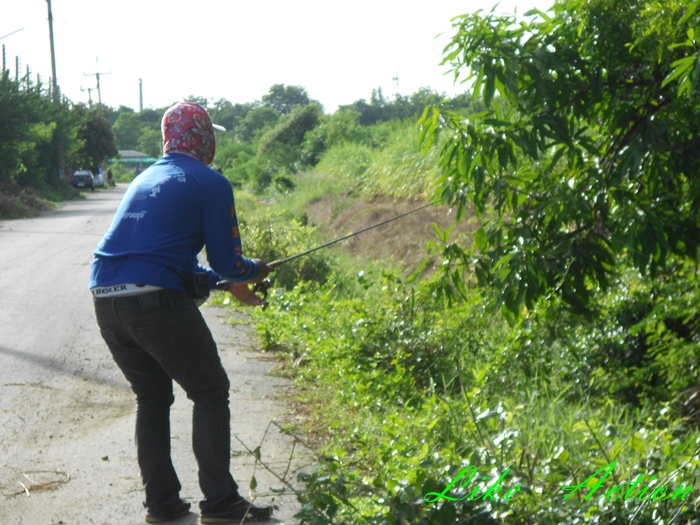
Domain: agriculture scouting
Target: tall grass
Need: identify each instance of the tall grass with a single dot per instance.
(346, 161)
(400, 169)
(427, 389)
(396, 168)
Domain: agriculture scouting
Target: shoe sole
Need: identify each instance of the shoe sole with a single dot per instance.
(222, 521)
(165, 519)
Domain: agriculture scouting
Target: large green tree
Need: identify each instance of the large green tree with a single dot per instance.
(26, 126)
(254, 122)
(38, 138)
(281, 146)
(127, 128)
(585, 156)
(284, 99)
(98, 142)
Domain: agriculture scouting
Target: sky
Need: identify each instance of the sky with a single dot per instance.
(339, 52)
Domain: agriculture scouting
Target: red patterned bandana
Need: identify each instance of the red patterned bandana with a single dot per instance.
(187, 129)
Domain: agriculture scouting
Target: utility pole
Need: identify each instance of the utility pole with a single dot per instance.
(89, 91)
(396, 80)
(97, 77)
(56, 94)
(4, 64)
(140, 95)
(54, 81)
(4, 57)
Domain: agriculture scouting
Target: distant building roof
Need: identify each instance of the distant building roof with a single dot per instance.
(131, 154)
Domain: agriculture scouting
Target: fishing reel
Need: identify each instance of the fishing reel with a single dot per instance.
(259, 289)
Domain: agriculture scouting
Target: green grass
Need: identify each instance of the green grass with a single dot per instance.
(430, 381)
(427, 388)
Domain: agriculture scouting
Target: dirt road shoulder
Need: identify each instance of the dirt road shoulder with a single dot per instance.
(67, 454)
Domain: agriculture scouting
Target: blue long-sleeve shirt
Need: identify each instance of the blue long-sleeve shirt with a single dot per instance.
(168, 214)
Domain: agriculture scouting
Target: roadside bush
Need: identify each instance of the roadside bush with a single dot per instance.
(283, 238)
(428, 388)
(340, 127)
(122, 172)
(281, 146)
(642, 347)
(15, 203)
(397, 168)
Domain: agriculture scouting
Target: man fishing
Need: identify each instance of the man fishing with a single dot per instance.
(145, 280)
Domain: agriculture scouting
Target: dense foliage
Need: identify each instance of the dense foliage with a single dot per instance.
(585, 155)
(267, 143)
(42, 142)
(576, 162)
(26, 129)
(426, 391)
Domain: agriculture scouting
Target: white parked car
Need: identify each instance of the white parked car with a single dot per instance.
(99, 179)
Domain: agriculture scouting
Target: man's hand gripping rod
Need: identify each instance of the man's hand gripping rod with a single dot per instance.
(260, 289)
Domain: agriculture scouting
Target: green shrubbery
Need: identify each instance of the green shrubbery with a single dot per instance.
(430, 378)
(429, 382)
(21, 203)
(401, 170)
(426, 389)
(590, 412)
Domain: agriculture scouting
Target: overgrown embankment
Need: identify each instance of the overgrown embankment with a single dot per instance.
(403, 389)
(427, 407)
(402, 242)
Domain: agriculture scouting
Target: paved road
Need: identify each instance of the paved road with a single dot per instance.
(66, 413)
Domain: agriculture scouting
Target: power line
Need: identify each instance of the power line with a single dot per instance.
(97, 77)
(13, 32)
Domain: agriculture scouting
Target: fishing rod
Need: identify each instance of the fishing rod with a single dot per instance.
(280, 262)
(262, 287)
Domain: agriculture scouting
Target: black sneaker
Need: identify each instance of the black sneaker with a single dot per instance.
(176, 511)
(242, 511)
